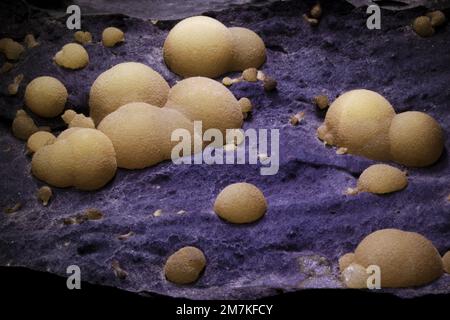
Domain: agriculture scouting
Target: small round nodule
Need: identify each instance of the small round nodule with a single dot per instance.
(346, 260)
(83, 37)
(437, 18)
(416, 139)
(72, 56)
(381, 179)
(185, 265)
(39, 139)
(423, 27)
(112, 36)
(446, 262)
(240, 203)
(46, 96)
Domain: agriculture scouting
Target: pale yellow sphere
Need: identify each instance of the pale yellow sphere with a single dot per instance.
(141, 133)
(382, 178)
(240, 203)
(359, 120)
(416, 139)
(72, 56)
(200, 98)
(46, 96)
(124, 83)
(199, 46)
(112, 36)
(185, 265)
(406, 259)
(249, 50)
(39, 139)
(80, 157)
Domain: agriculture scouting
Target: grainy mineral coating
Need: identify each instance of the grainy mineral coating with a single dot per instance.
(112, 36)
(46, 96)
(240, 203)
(249, 50)
(359, 120)
(406, 259)
(72, 56)
(199, 46)
(124, 83)
(382, 178)
(185, 265)
(416, 139)
(80, 157)
(141, 133)
(200, 98)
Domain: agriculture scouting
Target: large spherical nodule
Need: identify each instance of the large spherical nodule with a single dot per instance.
(381, 179)
(199, 46)
(46, 96)
(185, 265)
(80, 157)
(249, 50)
(141, 133)
(124, 83)
(359, 120)
(416, 139)
(207, 100)
(406, 259)
(240, 203)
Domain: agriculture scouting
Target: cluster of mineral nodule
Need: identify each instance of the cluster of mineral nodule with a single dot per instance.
(141, 131)
(238, 203)
(426, 25)
(404, 259)
(365, 123)
(132, 106)
(203, 46)
(133, 113)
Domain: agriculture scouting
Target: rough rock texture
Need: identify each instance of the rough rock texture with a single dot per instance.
(310, 223)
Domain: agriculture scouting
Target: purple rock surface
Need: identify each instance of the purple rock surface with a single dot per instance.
(310, 222)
